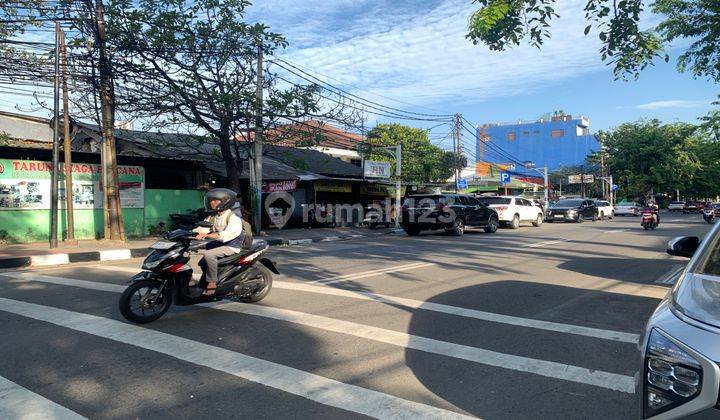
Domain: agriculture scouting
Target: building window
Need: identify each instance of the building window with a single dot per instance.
(526, 133)
(536, 132)
(511, 136)
(557, 133)
(356, 162)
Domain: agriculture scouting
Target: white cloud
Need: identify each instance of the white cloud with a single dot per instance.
(677, 103)
(425, 58)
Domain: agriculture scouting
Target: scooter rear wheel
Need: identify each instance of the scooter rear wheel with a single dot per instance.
(140, 302)
(265, 290)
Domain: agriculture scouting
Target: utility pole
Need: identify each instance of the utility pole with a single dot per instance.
(257, 146)
(547, 184)
(114, 222)
(67, 146)
(582, 180)
(55, 145)
(456, 145)
(398, 184)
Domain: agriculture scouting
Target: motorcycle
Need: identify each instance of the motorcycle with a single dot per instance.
(246, 277)
(709, 214)
(649, 219)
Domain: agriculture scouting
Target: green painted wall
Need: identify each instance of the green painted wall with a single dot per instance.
(34, 225)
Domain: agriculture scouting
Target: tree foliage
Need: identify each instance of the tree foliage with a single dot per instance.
(422, 161)
(501, 24)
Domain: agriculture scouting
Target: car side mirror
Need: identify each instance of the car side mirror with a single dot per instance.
(683, 246)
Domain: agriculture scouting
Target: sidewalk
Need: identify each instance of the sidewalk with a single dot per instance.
(39, 253)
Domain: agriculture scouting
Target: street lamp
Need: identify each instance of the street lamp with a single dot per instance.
(531, 165)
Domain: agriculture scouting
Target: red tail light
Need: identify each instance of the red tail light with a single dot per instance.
(501, 209)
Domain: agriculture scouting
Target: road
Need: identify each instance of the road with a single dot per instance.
(528, 323)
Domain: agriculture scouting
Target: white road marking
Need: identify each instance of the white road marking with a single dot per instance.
(308, 385)
(371, 273)
(540, 244)
(545, 368)
(299, 241)
(669, 277)
(20, 403)
(463, 312)
(409, 303)
(50, 259)
(115, 254)
(676, 220)
(617, 231)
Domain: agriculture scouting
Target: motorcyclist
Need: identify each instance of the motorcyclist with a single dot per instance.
(227, 232)
(651, 206)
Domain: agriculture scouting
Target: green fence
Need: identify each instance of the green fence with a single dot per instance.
(34, 225)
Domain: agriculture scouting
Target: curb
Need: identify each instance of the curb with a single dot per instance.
(128, 253)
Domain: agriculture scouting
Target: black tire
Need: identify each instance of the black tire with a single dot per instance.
(580, 218)
(262, 293)
(602, 216)
(538, 221)
(133, 291)
(515, 224)
(549, 221)
(412, 231)
(458, 227)
(595, 217)
(493, 224)
(646, 227)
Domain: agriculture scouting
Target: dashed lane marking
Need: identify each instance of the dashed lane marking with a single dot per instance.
(17, 402)
(305, 384)
(612, 381)
(541, 244)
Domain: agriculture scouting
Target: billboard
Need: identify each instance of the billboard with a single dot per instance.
(586, 179)
(375, 169)
(25, 185)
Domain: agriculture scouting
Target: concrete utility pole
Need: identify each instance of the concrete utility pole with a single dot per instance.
(398, 184)
(547, 184)
(67, 146)
(457, 139)
(114, 220)
(257, 146)
(55, 144)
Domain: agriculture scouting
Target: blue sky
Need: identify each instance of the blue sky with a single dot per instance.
(415, 51)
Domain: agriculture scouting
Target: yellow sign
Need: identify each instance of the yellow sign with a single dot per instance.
(380, 189)
(330, 187)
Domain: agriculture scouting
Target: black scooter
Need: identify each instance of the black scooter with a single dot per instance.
(246, 276)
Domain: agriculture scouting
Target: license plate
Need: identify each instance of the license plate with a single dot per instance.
(559, 216)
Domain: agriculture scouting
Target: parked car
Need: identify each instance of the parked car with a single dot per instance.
(676, 206)
(628, 208)
(573, 210)
(604, 209)
(452, 212)
(693, 207)
(514, 210)
(680, 345)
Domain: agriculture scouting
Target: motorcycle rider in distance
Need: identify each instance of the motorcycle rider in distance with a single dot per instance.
(227, 232)
(651, 206)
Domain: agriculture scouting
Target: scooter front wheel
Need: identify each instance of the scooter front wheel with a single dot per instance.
(261, 293)
(144, 302)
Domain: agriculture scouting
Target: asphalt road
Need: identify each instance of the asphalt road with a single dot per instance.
(528, 323)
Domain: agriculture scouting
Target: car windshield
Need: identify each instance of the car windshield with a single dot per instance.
(568, 203)
(628, 204)
(494, 200)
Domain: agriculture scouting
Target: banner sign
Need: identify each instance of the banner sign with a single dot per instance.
(375, 169)
(381, 190)
(25, 184)
(328, 187)
(586, 179)
(270, 187)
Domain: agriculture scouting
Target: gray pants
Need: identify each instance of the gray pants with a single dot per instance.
(211, 257)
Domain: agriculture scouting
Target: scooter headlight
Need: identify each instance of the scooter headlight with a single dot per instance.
(672, 377)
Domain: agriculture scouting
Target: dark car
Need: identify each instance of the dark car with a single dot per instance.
(573, 210)
(452, 212)
(693, 207)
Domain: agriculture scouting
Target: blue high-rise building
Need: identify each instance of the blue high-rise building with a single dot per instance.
(556, 141)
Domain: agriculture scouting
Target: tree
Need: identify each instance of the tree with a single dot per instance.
(422, 161)
(647, 156)
(192, 68)
(501, 24)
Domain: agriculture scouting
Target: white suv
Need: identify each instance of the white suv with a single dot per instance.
(605, 210)
(513, 210)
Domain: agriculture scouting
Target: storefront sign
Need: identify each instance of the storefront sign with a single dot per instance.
(576, 179)
(375, 169)
(270, 187)
(330, 187)
(25, 184)
(381, 190)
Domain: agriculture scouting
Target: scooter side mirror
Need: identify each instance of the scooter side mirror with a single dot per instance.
(683, 246)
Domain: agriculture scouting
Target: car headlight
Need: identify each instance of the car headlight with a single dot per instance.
(672, 377)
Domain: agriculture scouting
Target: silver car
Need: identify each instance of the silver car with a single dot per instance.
(628, 209)
(680, 346)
